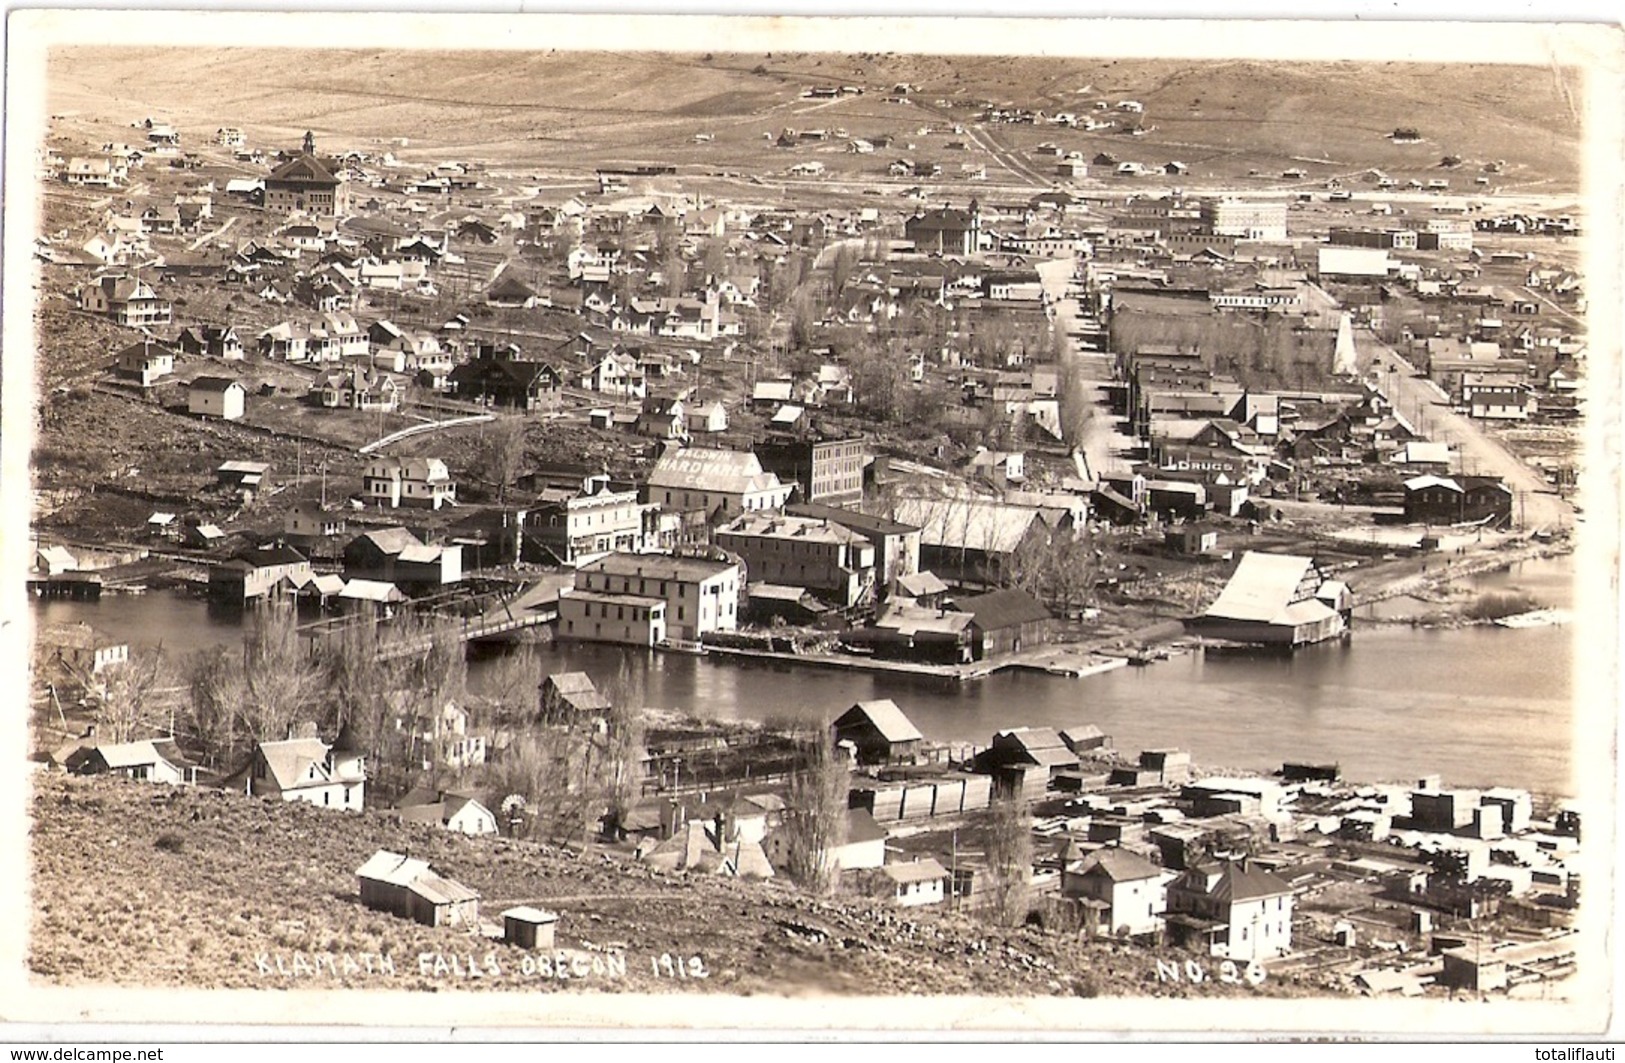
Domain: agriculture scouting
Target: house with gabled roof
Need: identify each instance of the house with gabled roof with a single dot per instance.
(255, 573)
(211, 341)
(460, 813)
(510, 292)
(616, 373)
(1277, 599)
(395, 482)
(102, 171)
(358, 388)
(215, 396)
(925, 634)
(1121, 889)
(1023, 761)
(1234, 909)
(513, 382)
(396, 556)
(1006, 621)
(146, 362)
(969, 538)
(569, 697)
(924, 588)
(303, 769)
(916, 882)
(156, 760)
(129, 301)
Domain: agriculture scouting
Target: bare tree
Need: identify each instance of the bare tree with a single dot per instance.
(359, 687)
(215, 682)
(1010, 861)
(803, 321)
(127, 697)
(501, 454)
(621, 776)
(280, 679)
(842, 267)
(673, 274)
(511, 685)
(815, 816)
(441, 673)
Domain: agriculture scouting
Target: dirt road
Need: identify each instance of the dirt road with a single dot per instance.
(1103, 439)
(1536, 504)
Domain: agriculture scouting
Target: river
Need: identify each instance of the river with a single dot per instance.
(1477, 705)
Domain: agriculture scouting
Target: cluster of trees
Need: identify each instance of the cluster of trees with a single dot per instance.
(357, 684)
(1059, 570)
(1258, 354)
(566, 771)
(378, 689)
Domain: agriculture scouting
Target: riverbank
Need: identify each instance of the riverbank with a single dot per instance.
(1062, 660)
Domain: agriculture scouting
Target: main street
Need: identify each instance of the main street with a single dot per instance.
(1103, 443)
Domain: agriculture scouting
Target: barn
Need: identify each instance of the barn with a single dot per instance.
(879, 731)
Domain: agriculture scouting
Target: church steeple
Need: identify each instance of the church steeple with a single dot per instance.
(310, 143)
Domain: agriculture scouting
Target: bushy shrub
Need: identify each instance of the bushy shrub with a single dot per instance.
(170, 842)
(1493, 605)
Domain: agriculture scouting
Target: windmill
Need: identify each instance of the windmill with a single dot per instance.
(513, 812)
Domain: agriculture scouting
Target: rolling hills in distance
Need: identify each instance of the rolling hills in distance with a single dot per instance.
(579, 109)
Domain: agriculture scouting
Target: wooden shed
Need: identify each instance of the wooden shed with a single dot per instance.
(529, 928)
(403, 886)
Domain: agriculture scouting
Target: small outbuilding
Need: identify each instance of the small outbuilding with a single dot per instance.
(404, 886)
(529, 928)
(917, 882)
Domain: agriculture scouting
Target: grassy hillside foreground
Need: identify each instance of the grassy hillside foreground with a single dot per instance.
(217, 890)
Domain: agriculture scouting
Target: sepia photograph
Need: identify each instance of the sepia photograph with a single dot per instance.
(701, 522)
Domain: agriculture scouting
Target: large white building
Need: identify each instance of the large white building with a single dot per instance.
(1370, 262)
(643, 599)
(726, 482)
(1246, 219)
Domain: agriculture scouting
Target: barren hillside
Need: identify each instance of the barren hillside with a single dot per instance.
(577, 107)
